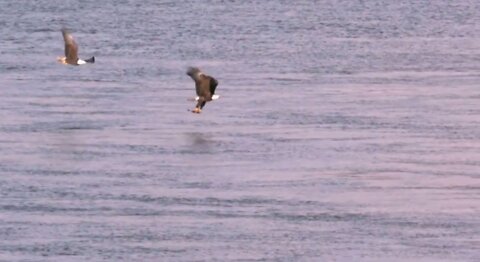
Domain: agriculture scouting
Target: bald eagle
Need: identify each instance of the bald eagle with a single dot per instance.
(71, 51)
(205, 86)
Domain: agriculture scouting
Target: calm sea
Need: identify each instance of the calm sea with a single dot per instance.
(345, 131)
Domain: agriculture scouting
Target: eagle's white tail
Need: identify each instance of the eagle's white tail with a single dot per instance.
(214, 97)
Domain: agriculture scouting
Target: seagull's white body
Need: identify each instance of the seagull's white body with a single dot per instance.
(63, 60)
(71, 51)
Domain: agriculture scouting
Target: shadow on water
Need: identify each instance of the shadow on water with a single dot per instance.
(200, 141)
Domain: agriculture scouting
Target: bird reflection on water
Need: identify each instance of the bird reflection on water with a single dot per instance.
(199, 139)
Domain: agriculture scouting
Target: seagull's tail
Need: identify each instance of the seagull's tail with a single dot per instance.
(90, 60)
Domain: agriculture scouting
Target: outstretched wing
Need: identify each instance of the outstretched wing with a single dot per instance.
(71, 48)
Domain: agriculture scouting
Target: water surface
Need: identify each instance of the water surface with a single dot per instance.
(345, 131)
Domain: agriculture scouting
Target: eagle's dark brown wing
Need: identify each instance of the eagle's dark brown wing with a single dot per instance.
(205, 86)
(213, 85)
(71, 48)
(202, 84)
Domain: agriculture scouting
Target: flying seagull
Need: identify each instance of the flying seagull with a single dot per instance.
(205, 86)
(71, 51)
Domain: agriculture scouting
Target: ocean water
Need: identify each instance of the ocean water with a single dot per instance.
(345, 131)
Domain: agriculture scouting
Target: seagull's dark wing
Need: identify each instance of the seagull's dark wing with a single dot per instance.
(71, 48)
